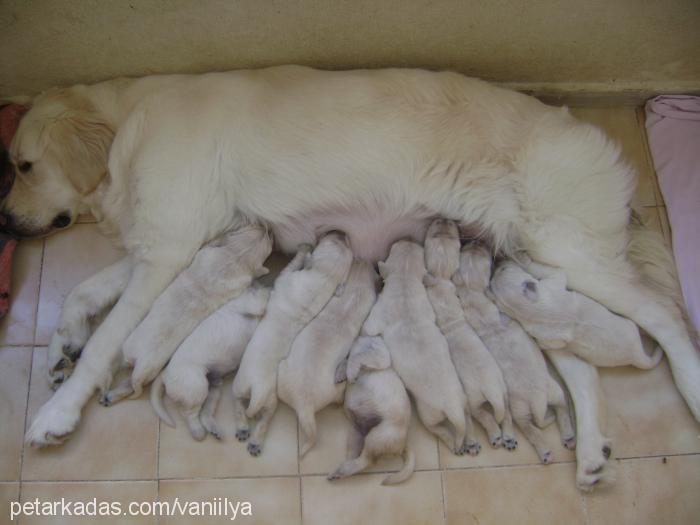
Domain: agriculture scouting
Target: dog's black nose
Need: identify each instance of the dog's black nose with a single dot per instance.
(61, 221)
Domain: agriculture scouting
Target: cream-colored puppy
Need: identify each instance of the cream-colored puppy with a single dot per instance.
(220, 271)
(405, 319)
(378, 406)
(560, 319)
(531, 389)
(300, 292)
(193, 377)
(306, 378)
(477, 369)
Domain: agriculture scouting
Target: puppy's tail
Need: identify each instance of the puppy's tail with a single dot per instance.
(409, 465)
(496, 395)
(157, 391)
(645, 362)
(307, 423)
(258, 398)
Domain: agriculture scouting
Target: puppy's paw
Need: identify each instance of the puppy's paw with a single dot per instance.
(546, 457)
(496, 441)
(242, 434)
(594, 468)
(472, 448)
(52, 424)
(333, 476)
(212, 428)
(510, 443)
(105, 399)
(254, 449)
(569, 442)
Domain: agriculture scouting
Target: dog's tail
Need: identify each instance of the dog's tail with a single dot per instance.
(157, 391)
(496, 395)
(538, 408)
(409, 465)
(307, 424)
(650, 255)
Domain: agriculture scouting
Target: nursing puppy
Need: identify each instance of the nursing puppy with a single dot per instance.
(481, 378)
(379, 409)
(193, 377)
(219, 272)
(560, 319)
(531, 389)
(405, 319)
(302, 289)
(306, 378)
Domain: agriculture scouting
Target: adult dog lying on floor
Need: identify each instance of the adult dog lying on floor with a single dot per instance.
(170, 162)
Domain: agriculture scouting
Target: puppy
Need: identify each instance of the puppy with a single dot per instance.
(219, 272)
(531, 389)
(419, 353)
(306, 378)
(302, 289)
(193, 377)
(377, 404)
(477, 369)
(560, 319)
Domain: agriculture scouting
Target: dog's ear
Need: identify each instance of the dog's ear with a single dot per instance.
(429, 280)
(530, 291)
(373, 356)
(81, 142)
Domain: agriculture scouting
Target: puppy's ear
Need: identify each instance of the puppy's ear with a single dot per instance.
(81, 142)
(383, 270)
(530, 291)
(260, 272)
(429, 280)
(374, 357)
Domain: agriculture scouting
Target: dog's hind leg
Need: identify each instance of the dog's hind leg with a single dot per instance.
(206, 416)
(592, 448)
(264, 417)
(486, 419)
(557, 399)
(471, 445)
(240, 419)
(524, 420)
(87, 300)
(507, 431)
(435, 423)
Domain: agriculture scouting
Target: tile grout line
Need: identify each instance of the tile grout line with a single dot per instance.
(444, 496)
(31, 368)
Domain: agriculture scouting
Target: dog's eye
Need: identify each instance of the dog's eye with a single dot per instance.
(24, 167)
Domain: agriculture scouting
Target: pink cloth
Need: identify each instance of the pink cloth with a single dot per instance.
(673, 127)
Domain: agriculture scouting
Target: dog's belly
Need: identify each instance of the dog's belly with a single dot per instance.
(371, 234)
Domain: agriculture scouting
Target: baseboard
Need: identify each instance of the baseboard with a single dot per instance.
(602, 94)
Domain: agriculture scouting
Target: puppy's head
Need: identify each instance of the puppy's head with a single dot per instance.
(405, 258)
(332, 252)
(517, 291)
(59, 153)
(474, 267)
(442, 248)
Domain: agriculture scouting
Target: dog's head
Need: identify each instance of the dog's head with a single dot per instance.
(442, 248)
(59, 154)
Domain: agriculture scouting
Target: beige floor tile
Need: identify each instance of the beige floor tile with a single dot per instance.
(330, 448)
(650, 492)
(622, 126)
(15, 364)
(646, 414)
(113, 497)
(17, 328)
(9, 493)
(362, 499)
(269, 501)
(524, 455)
(119, 442)
(70, 257)
(183, 457)
(523, 495)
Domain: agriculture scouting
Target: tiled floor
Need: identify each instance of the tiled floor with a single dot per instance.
(123, 454)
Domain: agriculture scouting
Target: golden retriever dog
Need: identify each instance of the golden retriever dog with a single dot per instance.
(170, 162)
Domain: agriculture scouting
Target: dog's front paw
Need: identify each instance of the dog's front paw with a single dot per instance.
(105, 399)
(52, 424)
(60, 359)
(242, 434)
(254, 449)
(547, 457)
